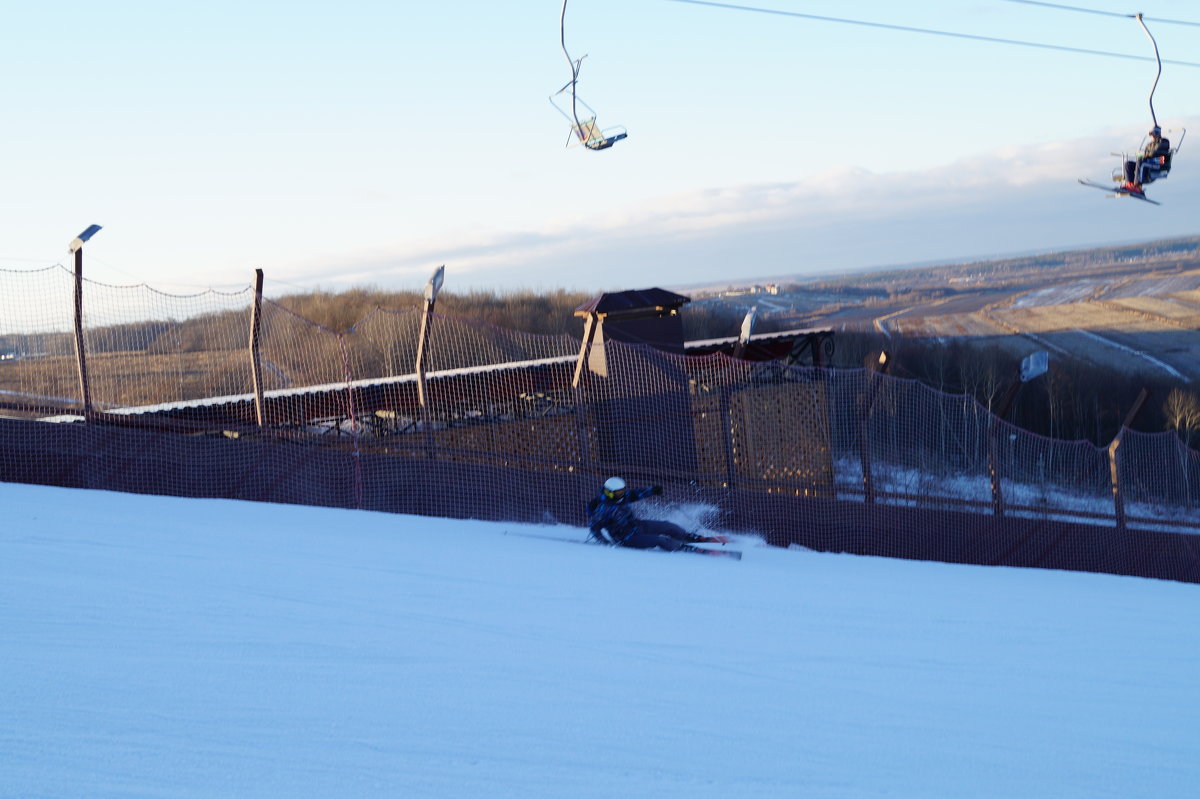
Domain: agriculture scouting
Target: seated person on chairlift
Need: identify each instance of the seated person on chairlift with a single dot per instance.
(1152, 163)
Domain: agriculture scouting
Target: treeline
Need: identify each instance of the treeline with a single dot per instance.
(546, 313)
(1009, 272)
(1075, 400)
(549, 314)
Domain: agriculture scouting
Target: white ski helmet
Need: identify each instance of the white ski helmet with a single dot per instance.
(614, 488)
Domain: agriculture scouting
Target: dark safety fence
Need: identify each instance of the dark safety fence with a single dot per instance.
(231, 395)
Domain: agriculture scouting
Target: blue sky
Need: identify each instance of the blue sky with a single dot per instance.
(367, 144)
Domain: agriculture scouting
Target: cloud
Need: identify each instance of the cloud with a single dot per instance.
(1009, 200)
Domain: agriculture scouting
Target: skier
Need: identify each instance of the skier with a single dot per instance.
(1152, 163)
(610, 512)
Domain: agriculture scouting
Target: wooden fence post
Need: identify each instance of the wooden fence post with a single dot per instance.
(1032, 366)
(1006, 402)
(85, 388)
(431, 291)
(255, 359)
(874, 384)
(1114, 470)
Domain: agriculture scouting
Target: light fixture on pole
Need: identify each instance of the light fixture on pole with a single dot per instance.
(77, 244)
(434, 285)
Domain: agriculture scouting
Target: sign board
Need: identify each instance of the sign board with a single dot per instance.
(1034, 365)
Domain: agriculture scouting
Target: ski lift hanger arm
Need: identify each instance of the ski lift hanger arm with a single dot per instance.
(572, 63)
(1153, 116)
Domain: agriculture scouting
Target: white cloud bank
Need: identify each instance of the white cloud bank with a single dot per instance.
(841, 217)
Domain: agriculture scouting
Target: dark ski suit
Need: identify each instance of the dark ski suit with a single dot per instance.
(627, 530)
(1151, 164)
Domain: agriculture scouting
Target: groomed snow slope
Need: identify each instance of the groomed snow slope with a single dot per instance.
(161, 647)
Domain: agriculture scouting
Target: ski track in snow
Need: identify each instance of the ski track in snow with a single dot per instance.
(163, 647)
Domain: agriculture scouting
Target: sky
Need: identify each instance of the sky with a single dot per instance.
(179, 648)
(367, 144)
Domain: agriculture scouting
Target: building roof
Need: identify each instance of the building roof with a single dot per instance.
(634, 300)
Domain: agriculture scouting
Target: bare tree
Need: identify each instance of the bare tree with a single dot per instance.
(1182, 412)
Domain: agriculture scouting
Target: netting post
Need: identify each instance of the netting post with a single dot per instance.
(1114, 476)
(431, 291)
(583, 412)
(1113, 448)
(1005, 404)
(589, 334)
(255, 359)
(874, 384)
(85, 390)
(356, 454)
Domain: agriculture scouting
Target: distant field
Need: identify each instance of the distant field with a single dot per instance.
(1128, 309)
(130, 378)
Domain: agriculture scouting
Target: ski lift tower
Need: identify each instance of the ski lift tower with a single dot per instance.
(642, 316)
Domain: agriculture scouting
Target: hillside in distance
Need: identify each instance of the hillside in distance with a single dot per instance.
(1133, 308)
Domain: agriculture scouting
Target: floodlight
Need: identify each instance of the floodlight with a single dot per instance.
(82, 237)
(434, 284)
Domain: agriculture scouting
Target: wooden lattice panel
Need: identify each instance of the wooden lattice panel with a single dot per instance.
(780, 437)
(710, 417)
(550, 443)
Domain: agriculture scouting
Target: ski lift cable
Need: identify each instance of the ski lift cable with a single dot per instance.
(1141, 22)
(1080, 9)
(930, 31)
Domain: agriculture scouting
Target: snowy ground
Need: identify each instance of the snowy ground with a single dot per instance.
(159, 647)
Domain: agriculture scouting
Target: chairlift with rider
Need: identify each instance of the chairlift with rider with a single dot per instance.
(1153, 160)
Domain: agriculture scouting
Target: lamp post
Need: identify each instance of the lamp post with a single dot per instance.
(431, 291)
(76, 247)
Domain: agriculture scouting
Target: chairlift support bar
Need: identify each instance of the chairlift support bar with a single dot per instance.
(562, 37)
(1141, 22)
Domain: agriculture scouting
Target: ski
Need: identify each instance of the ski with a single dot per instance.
(1117, 191)
(549, 537)
(716, 539)
(718, 553)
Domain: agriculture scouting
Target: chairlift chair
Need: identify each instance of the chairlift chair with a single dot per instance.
(1159, 171)
(583, 131)
(586, 131)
